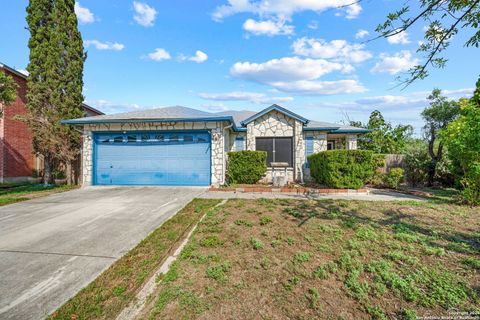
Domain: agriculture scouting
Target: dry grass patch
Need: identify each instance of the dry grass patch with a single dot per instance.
(325, 259)
(116, 287)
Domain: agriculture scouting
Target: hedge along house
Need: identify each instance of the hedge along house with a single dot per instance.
(184, 146)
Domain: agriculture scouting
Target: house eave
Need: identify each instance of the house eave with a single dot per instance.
(277, 108)
(321, 128)
(122, 121)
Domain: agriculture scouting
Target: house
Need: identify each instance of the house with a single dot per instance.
(17, 160)
(184, 146)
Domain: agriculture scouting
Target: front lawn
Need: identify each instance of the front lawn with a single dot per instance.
(16, 192)
(329, 259)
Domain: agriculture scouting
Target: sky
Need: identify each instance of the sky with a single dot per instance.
(309, 56)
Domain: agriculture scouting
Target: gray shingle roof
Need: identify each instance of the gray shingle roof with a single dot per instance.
(184, 113)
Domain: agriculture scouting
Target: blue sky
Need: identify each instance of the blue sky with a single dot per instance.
(217, 55)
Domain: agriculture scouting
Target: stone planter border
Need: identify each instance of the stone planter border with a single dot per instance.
(287, 190)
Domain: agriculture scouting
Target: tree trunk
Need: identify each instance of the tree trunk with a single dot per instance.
(432, 166)
(68, 172)
(47, 170)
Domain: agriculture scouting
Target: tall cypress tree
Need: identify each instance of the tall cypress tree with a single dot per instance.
(55, 80)
(69, 61)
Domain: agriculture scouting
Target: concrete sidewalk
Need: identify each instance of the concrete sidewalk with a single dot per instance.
(373, 195)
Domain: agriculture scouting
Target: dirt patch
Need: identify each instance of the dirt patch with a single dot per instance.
(289, 259)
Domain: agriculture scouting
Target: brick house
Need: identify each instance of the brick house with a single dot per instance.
(17, 160)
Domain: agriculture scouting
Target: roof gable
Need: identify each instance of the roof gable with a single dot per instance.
(278, 108)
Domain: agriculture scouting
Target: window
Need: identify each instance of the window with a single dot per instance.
(145, 137)
(132, 138)
(331, 145)
(308, 148)
(278, 149)
(239, 143)
(187, 138)
(118, 139)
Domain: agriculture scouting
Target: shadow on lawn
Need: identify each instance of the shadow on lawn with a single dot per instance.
(396, 220)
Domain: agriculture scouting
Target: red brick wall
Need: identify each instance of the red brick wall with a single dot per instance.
(16, 149)
(18, 158)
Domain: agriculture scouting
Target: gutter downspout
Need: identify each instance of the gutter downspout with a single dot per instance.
(224, 164)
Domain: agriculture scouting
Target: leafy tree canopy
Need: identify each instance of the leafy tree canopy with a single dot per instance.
(444, 19)
(8, 89)
(462, 138)
(384, 138)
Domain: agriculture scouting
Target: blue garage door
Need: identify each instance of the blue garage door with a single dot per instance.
(152, 158)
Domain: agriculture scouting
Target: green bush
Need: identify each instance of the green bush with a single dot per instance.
(246, 166)
(378, 177)
(471, 184)
(342, 168)
(416, 163)
(394, 177)
(379, 160)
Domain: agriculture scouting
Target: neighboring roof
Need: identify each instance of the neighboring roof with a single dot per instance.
(92, 109)
(24, 76)
(277, 108)
(332, 127)
(238, 119)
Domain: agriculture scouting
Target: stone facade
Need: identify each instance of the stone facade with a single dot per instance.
(277, 124)
(215, 128)
(272, 124)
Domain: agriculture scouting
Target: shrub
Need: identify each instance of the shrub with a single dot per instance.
(246, 166)
(471, 184)
(342, 168)
(416, 163)
(394, 177)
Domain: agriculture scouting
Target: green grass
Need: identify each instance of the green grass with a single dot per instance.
(317, 259)
(116, 287)
(16, 192)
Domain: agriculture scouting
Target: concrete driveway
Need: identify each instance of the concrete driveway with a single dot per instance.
(52, 247)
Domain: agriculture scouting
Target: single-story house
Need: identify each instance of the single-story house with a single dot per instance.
(17, 159)
(184, 146)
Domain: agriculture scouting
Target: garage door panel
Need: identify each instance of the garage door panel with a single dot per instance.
(153, 158)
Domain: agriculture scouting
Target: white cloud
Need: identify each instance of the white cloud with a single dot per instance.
(393, 64)
(399, 38)
(339, 50)
(284, 69)
(144, 14)
(268, 27)
(296, 75)
(84, 15)
(308, 87)
(353, 10)
(199, 57)
(284, 8)
(113, 107)
(159, 54)
(244, 96)
(361, 33)
(104, 45)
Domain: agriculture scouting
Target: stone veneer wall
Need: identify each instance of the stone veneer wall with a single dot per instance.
(232, 137)
(277, 124)
(216, 129)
